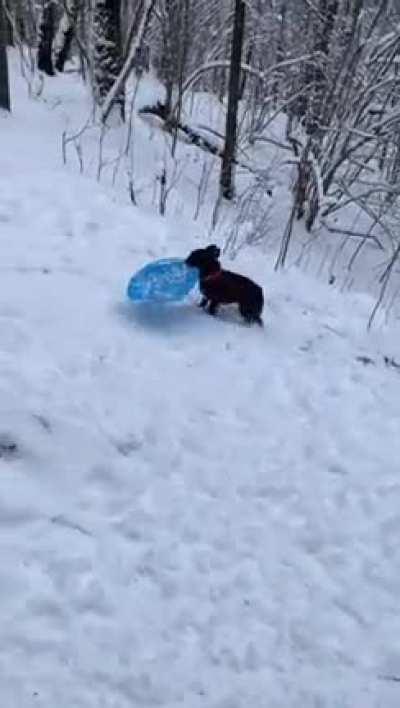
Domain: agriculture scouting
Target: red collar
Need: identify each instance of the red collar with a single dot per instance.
(213, 276)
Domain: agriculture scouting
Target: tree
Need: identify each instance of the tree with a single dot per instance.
(136, 36)
(226, 180)
(46, 36)
(4, 80)
(107, 51)
(66, 32)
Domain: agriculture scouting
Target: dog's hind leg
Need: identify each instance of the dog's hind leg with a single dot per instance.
(250, 320)
(212, 308)
(250, 316)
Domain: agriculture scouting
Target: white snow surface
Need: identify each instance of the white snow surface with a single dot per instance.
(197, 513)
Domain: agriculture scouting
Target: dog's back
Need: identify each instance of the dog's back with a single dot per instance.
(227, 288)
(222, 287)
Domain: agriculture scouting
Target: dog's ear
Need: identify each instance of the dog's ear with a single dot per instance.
(195, 258)
(213, 251)
(191, 259)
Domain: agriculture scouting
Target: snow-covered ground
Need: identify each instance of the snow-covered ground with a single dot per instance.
(192, 513)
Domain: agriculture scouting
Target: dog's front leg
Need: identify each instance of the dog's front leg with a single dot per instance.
(204, 302)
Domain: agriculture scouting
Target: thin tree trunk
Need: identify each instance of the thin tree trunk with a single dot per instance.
(46, 36)
(108, 59)
(328, 10)
(66, 33)
(226, 180)
(129, 63)
(4, 80)
(244, 75)
(183, 47)
(8, 30)
(168, 58)
(280, 51)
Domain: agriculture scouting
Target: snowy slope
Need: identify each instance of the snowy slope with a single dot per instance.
(192, 513)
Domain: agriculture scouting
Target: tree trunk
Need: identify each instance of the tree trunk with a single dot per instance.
(46, 36)
(141, 24)
(170, 49)
(328, 10)
(226, 179)
(108, 58)
(66, 33)
(280, 51)
(7, 28)
(4, 80)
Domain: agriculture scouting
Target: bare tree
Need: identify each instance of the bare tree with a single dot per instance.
(66, 32)
(226, 180)
(46, 37)
(107, 51)
(136, 35)
(5, 102)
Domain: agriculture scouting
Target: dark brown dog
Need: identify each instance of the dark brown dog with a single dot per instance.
(221, 287)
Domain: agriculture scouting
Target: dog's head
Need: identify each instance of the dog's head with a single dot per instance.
(203, 258)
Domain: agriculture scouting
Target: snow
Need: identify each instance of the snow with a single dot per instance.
(192, 512)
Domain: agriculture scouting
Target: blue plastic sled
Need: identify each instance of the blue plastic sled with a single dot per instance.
(167, 280)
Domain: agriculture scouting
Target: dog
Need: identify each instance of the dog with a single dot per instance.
(221, 287)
